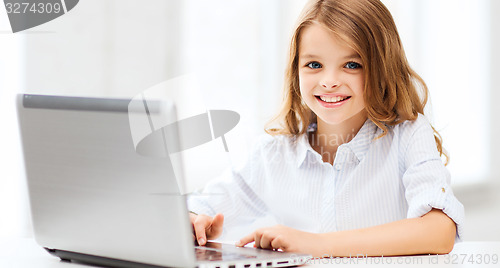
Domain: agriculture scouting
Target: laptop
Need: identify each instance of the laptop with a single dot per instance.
(95, 199)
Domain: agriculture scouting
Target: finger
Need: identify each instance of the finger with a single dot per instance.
(265, 240)
(215, 228)
(277, 243)
(192, 218)
(245, 240)
(258, 237)
(201, 223)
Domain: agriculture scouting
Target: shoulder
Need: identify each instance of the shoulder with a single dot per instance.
(410, 129)
(416, 140)
(403, 133)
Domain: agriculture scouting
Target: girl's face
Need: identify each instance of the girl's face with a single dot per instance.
(330, 76)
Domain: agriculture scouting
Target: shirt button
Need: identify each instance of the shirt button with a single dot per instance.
(338, 167)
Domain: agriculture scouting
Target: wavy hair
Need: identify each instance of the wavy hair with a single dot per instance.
(394, 92)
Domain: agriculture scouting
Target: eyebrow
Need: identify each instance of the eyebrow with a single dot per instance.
(308, 56)
(353, 56)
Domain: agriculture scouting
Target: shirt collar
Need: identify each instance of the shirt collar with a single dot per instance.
(361, 142)
(359, 145)
(303, 148)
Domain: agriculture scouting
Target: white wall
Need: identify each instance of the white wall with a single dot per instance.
(482, 201)
(104, 48)
(14, 216)
(495, 94)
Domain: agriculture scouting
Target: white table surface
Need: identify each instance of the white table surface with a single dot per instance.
(24, 253)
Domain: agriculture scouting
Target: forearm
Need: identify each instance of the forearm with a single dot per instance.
(433, 233)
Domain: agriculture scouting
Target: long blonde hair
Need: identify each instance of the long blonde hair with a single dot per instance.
(394, 92)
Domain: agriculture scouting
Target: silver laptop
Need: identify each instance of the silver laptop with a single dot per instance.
(94, 199)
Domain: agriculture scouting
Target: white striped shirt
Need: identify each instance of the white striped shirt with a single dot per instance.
(371, 182)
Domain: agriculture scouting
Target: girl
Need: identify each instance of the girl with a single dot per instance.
(355, 167)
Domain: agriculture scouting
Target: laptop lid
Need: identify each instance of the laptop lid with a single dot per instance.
(90, 192)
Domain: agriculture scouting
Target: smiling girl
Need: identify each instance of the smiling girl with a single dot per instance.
(354, 166)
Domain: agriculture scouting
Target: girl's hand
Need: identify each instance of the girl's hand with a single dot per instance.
(285, 239)
(206, 227)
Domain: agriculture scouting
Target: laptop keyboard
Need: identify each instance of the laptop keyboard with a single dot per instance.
(208, 254)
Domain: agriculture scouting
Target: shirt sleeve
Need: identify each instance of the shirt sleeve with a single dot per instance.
(426, 179)
(232, 194)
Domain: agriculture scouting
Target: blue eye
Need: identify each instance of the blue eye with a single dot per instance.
(314, 65)
(352, 65)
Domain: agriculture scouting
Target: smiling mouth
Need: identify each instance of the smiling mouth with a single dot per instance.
(333, 99)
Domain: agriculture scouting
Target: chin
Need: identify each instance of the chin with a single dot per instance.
(333, 120)
(337, 119)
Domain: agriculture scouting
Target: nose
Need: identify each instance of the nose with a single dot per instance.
(329, 81)
(329, 85)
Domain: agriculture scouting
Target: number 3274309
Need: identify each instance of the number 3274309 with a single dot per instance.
(23, 8)
(471, 259)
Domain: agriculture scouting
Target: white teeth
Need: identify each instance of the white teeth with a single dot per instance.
(332, 99)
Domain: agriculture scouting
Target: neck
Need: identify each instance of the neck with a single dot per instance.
(328, 138)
